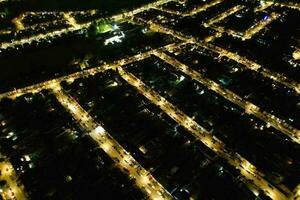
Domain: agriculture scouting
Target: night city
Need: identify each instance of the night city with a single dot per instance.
(150, 100)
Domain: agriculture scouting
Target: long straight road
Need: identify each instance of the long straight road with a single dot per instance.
(259, 26)
(143, 179)
(194, 11)
(223, 15)
(249, 107)
(35, 88)
(254, 178)
(291, 4)
(249, 33)
(263, 6)
(248, 64)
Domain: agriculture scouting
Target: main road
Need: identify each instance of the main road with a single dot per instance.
(249, 107)
(251, 65)
(143, 179)
(249, 171)
(191, 12)
(35, 88)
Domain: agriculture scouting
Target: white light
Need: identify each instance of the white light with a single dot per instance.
(115, 84)
(72, 108)
(106, 146)
(100, 130)
(115, 26)
(114, 39)
(181, 78)
(9, 135)
(201, 92)
(144, 179)
(144, 30)
(27, 158)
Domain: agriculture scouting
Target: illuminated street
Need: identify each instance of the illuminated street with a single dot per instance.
(223, 52)
(246, 168)
(166, 99)
(249, 107)
(48, 84)
(14, 189)
(151, 187)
